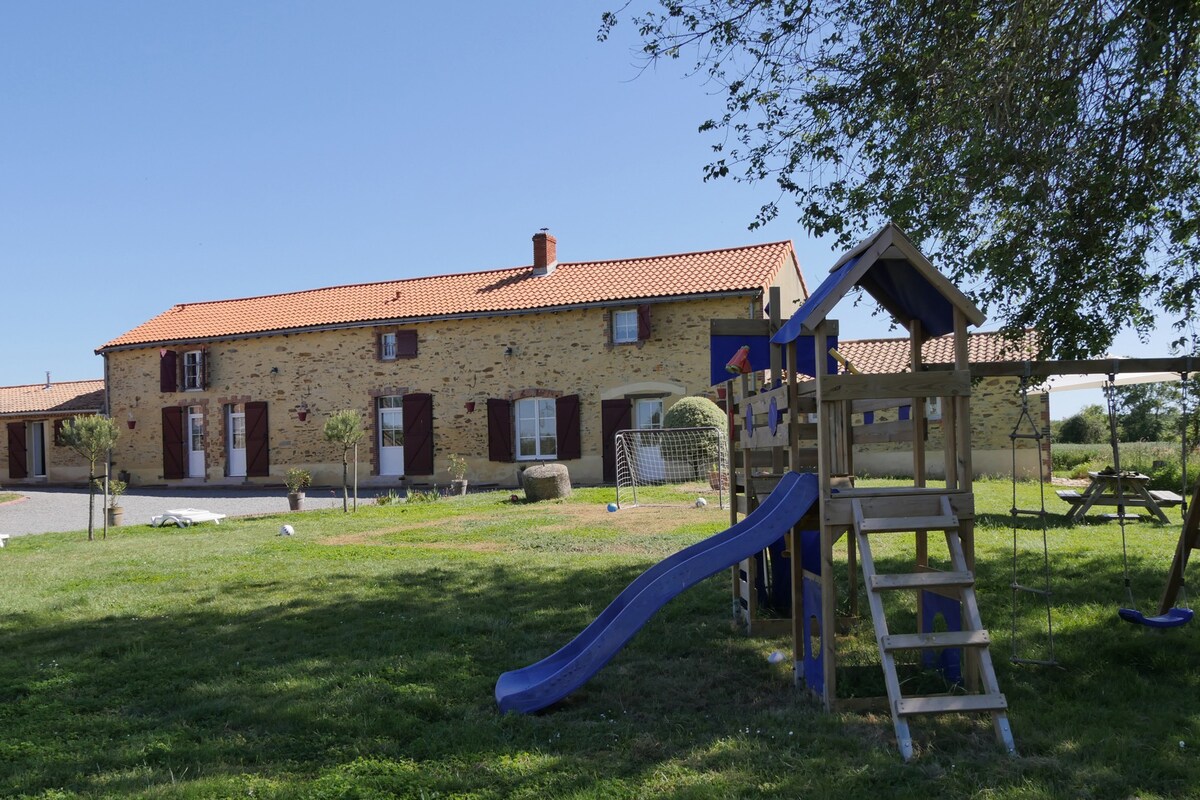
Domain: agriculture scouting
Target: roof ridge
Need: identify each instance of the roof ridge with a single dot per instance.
(463, 273)
(760, 245)
(42, 384)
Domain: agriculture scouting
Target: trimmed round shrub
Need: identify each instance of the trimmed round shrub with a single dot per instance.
(697, 412)
(694, 412)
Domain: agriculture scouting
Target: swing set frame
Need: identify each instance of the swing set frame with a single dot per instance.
(1189, 539)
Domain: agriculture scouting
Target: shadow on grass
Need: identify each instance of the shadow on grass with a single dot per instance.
(338, 693)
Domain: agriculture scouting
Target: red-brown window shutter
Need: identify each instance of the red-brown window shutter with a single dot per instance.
(17, 452)
(418, 434)
(168, 372)
(204, 369)
(500, 430)
(643, 314)
(258, 449)
(172, 442)
(615, 415)
(566, 422)
(58, 429)
(406, 344)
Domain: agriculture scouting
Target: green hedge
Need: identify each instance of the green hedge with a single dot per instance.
(1160, 460)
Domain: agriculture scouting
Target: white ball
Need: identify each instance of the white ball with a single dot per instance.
(775, 657)
(287, 530)
(701, 502)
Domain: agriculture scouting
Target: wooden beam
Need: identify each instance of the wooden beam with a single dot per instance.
(1099, 366)
(903, 384)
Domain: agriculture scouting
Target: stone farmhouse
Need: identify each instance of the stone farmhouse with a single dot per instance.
(502, 367)
(33, 416)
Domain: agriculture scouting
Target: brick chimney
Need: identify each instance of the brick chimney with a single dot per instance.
(545, 253)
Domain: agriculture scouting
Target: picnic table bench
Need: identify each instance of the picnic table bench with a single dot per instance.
(1134, 493)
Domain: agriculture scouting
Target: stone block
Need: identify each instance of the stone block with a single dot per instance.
(546, 482)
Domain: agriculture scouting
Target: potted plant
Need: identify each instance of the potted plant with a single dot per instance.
(116, 488)
(458, 474)
(296, 481)
(717, 480)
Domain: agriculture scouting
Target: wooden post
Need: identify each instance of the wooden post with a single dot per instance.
(915, 340)
(796, 561)
(825, 455)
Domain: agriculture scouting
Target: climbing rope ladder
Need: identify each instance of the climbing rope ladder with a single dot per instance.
(1025, 428)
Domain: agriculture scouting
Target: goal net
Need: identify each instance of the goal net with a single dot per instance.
(660, 456)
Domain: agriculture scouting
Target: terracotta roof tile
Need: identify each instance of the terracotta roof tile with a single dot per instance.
(68, 397)
(891, 355)
(490, 292)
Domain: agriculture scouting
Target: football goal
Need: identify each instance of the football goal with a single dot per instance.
(659, 456)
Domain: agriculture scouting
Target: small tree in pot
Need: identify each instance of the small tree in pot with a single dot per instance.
(116, 488)
(346, 429)
(296, 481)
(458, 474)
(91, 436)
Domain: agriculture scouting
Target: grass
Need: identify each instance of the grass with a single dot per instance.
(6, 497)
(357, 659)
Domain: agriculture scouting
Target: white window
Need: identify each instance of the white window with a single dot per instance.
(625, 327)
(193, 370)
(387, 346)
(648, 412)
(537, 436)
(391, 435)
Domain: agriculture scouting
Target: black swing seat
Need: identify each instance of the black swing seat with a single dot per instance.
(1172, 619)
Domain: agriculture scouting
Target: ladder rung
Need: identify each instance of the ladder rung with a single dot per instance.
(921, 580)
(903, 524)
(946, 704)
(1016, 587)
(1037, 662)
(1027, 436)
(1029, 512)
(921, 641)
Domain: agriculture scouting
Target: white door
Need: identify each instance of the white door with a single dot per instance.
(237, 442)
(391, 436)
(195, 445)
(37, 450)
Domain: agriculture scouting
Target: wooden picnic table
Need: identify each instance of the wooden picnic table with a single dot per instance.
(1135, 493)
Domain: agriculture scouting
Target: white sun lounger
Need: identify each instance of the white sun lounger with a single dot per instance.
(185, 517)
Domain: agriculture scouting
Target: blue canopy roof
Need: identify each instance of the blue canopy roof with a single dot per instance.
(890, 269)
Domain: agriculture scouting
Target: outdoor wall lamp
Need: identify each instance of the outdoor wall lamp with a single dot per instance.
(508, 351)
(302, 411)
(470, 406)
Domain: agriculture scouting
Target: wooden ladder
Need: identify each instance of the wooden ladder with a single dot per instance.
(960, 582)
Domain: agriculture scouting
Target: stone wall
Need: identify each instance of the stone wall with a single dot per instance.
(63, 465)
(461, 363)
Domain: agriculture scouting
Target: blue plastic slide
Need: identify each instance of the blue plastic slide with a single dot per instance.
(553, 678)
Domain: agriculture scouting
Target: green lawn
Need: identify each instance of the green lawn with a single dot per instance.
(7, 496)
(357, 659)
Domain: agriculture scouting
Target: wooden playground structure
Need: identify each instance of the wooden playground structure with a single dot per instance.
(808, 416)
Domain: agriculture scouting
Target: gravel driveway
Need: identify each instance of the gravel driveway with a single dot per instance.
(45, 510)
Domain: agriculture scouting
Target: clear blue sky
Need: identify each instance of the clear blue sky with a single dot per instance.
(155, 153)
